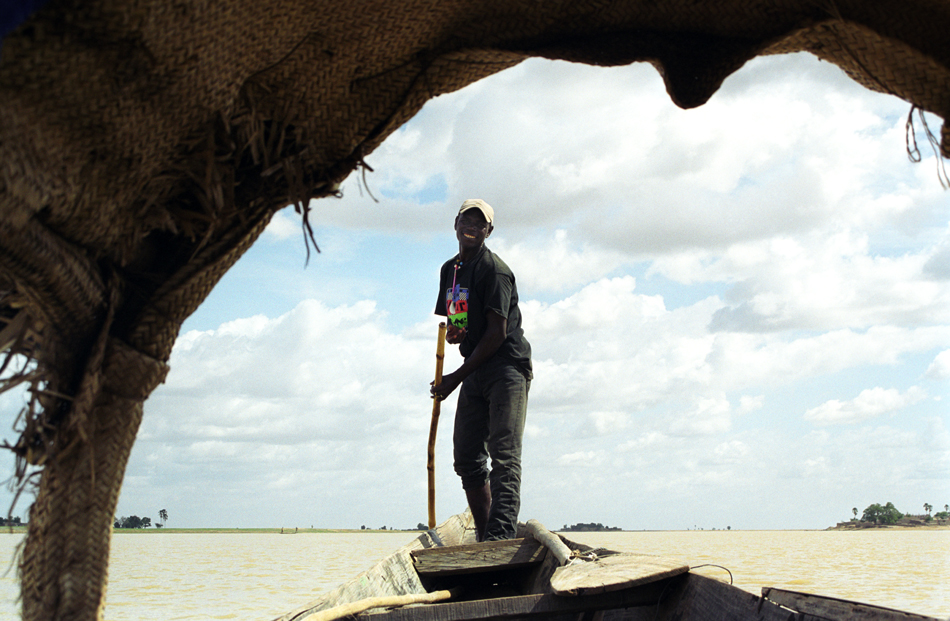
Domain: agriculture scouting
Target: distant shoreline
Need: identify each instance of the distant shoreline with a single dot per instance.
(21, 530)
(858, 526)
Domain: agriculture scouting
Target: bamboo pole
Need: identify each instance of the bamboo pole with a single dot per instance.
(386, 601)
(434, 424)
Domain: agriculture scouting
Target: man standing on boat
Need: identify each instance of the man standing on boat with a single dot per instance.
(478, 296)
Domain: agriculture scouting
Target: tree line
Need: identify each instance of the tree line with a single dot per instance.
(582, 527)
(134, 521)
(889, 514)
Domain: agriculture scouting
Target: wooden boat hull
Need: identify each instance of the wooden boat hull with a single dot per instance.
(519, 586)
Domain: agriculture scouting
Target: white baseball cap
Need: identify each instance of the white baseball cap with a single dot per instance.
(479, 204)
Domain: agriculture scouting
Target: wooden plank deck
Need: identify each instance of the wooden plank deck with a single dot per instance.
(478, 557)
(613, 573)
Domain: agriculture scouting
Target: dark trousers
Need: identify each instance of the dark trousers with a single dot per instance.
(489, 423)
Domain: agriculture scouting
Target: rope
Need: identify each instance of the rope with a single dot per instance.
(913, 152)
(717, 566)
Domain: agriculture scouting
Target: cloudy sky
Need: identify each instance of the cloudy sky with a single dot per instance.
(740, 315)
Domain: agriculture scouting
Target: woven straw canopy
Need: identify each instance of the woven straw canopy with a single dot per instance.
(145, 144)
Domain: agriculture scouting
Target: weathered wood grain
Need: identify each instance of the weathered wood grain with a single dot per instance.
(611, 573)
(478, 557)
(833, 608)
(695, 597)
(545, 606)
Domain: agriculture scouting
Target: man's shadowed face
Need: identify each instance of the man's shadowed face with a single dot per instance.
(472, 229)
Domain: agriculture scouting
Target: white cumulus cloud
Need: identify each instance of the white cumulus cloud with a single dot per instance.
(869, 404)
(939, 369)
